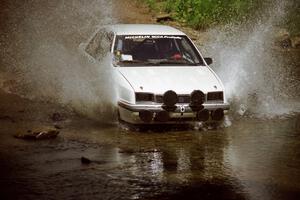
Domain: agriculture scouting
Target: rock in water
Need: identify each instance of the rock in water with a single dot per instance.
(85, 160)
(39, 135)
(47, 134)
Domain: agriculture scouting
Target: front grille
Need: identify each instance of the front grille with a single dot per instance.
(215, 96)
(184, 99)
(181, 99)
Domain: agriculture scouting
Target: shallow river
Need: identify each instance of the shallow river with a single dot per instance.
(251, 159)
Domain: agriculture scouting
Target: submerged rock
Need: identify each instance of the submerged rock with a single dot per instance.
(47, 134)
(38, 135)
(85, 160)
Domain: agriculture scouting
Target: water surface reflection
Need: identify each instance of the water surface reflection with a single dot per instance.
(252, 159)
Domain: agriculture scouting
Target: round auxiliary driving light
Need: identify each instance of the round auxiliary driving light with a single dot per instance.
(217, 114)
(162, 116)
(203, 115)
(146, 116)
(170, 98)
(197, 99)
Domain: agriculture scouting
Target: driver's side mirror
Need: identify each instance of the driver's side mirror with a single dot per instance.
(208, 61)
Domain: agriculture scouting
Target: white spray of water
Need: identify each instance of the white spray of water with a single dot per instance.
(256, 79)
(47, 63)
(73, 80)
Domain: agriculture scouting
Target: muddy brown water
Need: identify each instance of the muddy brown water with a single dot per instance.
(254, 158)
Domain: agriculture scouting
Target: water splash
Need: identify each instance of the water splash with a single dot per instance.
(41, 52)
(258, 78)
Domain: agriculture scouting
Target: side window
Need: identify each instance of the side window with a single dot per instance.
(110, 37)
(100, 45)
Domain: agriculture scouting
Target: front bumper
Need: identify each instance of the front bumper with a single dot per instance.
(183, 112)
(180, 108)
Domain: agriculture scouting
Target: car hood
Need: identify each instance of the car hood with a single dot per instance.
(182, 80)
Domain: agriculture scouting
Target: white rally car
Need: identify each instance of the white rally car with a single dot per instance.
(160, 76)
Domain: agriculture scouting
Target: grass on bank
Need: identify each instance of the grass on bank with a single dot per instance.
(202, 14)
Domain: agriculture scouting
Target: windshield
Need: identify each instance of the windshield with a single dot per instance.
(155, 50)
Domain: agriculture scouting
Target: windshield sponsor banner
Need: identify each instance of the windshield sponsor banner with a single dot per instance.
(152, 37)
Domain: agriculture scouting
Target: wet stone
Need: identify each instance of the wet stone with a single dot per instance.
(38, 135)
(85, 160)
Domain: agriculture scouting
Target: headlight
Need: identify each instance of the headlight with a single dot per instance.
(142, 96)
(215, 96)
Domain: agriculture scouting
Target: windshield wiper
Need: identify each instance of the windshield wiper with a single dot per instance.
(173, 62)
(131, 61)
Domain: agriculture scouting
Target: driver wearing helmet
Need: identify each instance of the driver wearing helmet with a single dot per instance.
(167, 49)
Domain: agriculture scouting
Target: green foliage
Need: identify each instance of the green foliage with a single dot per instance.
(292, 22)
(151, 4)
(201, 14)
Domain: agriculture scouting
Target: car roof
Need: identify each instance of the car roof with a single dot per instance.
(144, 29)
